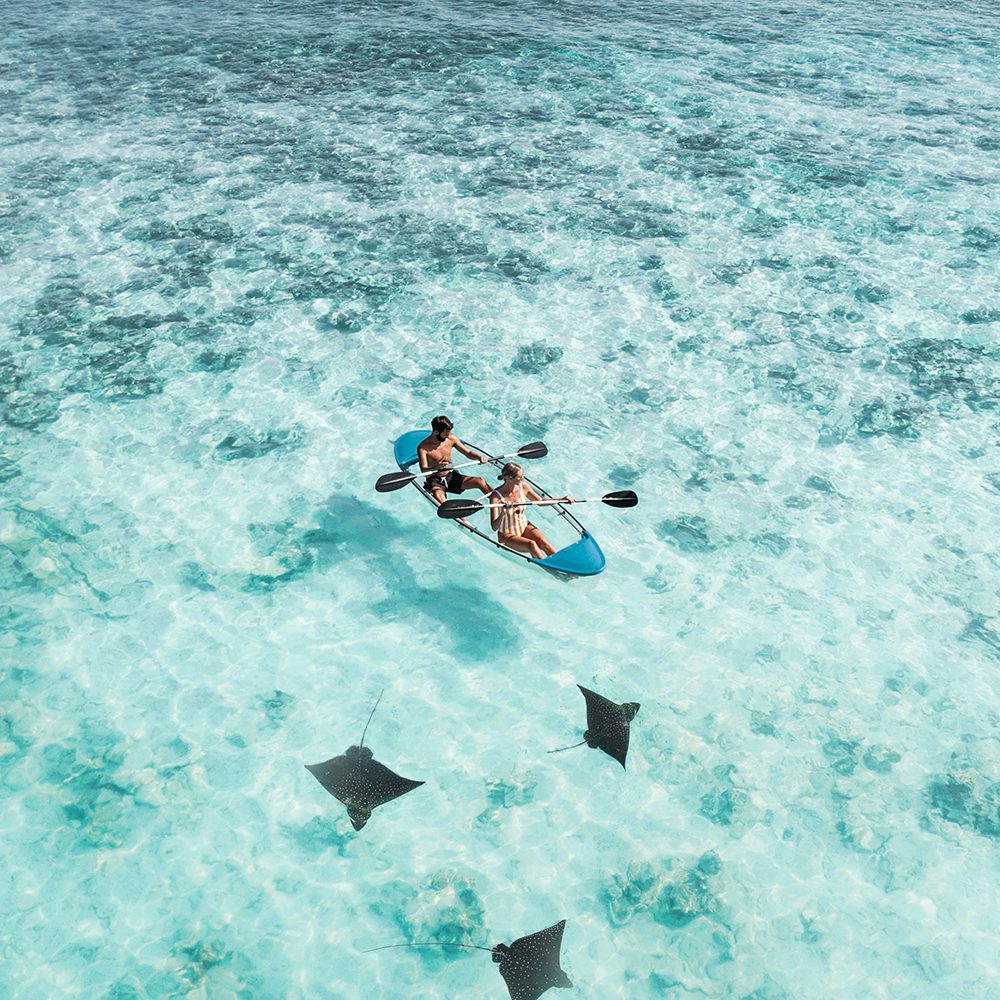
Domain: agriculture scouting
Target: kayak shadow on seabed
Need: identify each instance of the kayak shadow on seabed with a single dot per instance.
(350, 528)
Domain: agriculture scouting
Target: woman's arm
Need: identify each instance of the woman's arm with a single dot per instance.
(495, 512)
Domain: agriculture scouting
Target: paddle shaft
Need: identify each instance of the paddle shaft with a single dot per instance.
(451, 509)
(535, 503)
(451, 468)
(461, 465)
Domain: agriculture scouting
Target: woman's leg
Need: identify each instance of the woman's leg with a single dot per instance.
(539, 539)
(521, 544)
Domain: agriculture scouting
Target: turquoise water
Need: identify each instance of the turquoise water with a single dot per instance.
(743, 260)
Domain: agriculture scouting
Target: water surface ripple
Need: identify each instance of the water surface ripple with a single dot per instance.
(742, 259)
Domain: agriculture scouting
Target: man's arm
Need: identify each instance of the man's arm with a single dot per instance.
(473, 456)
(426, 464)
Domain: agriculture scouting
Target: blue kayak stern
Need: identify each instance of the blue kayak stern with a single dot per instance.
(582, 558)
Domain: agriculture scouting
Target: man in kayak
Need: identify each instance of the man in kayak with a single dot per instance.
(434, 455)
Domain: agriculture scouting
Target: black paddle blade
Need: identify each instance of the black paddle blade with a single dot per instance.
(623, 498)
(536, 449)
(393, 481)
(452, 509)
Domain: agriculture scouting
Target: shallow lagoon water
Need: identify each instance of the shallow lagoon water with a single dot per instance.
(744, 262)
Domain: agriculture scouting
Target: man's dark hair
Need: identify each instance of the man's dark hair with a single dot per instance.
(441, 424)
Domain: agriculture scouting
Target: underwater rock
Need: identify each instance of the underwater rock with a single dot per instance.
(978, 629)
(126, 991)
(348, 319)
(762, 724)
(276, 706)
(879, 759)
(283, 552)
(967, 799)
(857, 828)
(193, 575)
(635, 220)
(878, 417)
(625, 475)
(206, 965)
(12, 377)
(760, 224)
(730, 274)
(63, 306)
(980, 238)
(200, 957)
(446, 907)
(671, 901)
(688, 532)
(684, 314)
(288, 551)
(101, 809)
(29, 410)
(13, 743)
(637, 890)
(319, 835)
(658, 582)
(831, 434)
(775, 262)
(820, 484)
(791, 384)
(772, 542)
(534, 358)
(664, 289)
(842, 754)
(875, 294)
(219, 361)
(507, 793)
(702, 142)
(689, 897)
(723, 803)
(943, 368)
(248, 444)
(981, 315)
(520, 266)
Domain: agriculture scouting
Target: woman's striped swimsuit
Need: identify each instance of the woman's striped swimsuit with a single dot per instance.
(513, 520)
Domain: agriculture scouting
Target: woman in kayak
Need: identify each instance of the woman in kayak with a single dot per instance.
(509, 519)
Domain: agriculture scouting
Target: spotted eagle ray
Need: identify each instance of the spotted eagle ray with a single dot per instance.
(359, 781)
(607, 725)
(529, 966)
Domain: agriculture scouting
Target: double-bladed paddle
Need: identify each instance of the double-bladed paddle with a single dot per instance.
(452, 509)
(397, 480)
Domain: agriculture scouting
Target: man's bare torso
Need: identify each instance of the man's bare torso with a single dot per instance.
(437, 453)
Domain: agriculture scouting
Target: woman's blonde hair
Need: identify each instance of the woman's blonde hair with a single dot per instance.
(511, 469)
